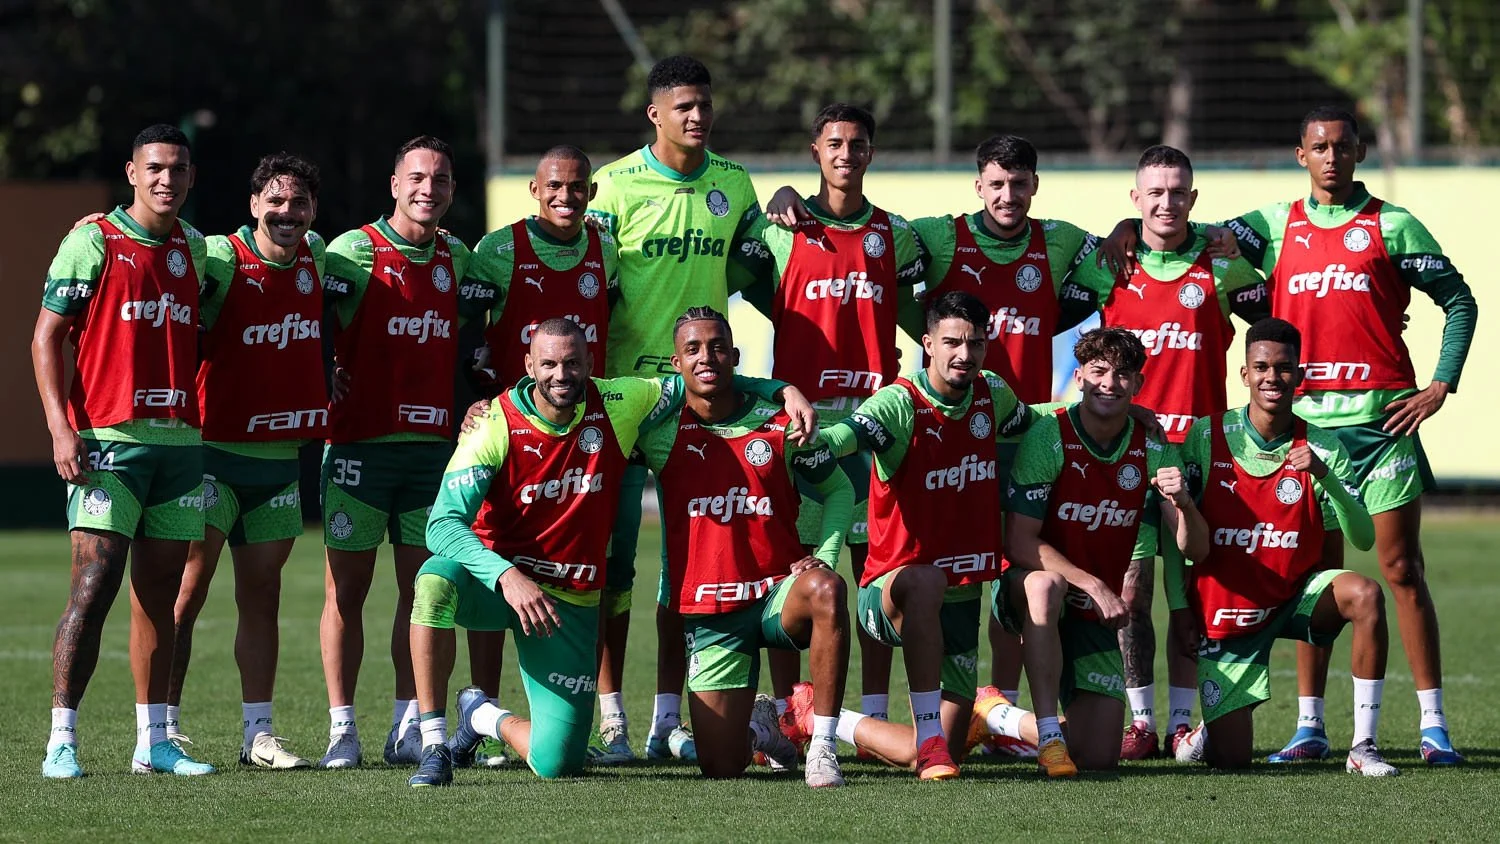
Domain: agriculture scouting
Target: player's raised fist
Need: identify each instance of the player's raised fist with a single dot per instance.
(1304, 459)
(1169, 481)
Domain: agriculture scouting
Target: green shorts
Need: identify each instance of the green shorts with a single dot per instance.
(1002, 609)
(1391, 470)
(1236, 673)
(251, 499)
(857, 466)
(138, 490)
(374, 489)
(959, 618)
(723, 649)
(1091, 660)
(558, 672)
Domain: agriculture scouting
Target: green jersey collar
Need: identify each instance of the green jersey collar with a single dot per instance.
(747, 404)
(855, 220)
(1108, 452)
(1356, 201)
(521, 395)
(668, 172)
(541, 234)
(383, 226)
(1271, 445)
(126, 223)
(949, 410)
(246, 234)
(982, 232)
(1191, 245)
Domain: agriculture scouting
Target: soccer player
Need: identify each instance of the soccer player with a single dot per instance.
(1272, 489)
(678, 212)
(262, 395)
(1342, 266)
(518, 537)
(833, 284)
(392, 288)
(1086, 482)
(932, 435)
(124, 291)
(547, 265)
(737, 569)
(1178, 300)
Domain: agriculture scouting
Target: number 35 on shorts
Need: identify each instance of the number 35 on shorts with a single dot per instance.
(346, 472)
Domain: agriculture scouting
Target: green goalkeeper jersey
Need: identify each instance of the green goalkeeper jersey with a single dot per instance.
(675, 232)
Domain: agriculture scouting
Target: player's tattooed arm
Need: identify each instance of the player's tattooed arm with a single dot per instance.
(98, 570)
(1138, 636)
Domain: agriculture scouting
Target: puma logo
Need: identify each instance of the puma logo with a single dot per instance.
(937, 433)
(1137, 290)
(1304, 239)
(534, 449)
(129, 259)
(1083, 469)
(973, 272)
(698, 450)
(399, 274)
(1229, 485)
(259, 285)
(818, 243)
(536, 282)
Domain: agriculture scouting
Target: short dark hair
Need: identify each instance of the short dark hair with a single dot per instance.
(1273, 330)
(1011, 152)
(843, 113)
(960, 305)
(676, 72)
(702, 312)
(1115, 346)
(1327, 114)
(284, 164)
(1162, 155)
(567, 152)
(424, 142)
(561, 327)
(160, 133)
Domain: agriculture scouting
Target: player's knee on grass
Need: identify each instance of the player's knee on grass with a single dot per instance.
(1231, 739)
(559, 748)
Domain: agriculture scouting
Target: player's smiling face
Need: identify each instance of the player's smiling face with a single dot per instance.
(1007, 196)
(1330, 150)
(423, 187)
(706, 357)
(284, 210)
(956, 347)
(560, 364)
(1106, 391)
(843, 152)
(1164, 196)
(562, 189)
(161, 175)
(683, 115)
(1272, 373)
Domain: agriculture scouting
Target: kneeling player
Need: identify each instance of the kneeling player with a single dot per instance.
(737, 571)
(1077, 497)
(1273, 490)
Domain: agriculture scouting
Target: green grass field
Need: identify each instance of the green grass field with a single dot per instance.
(1145, 801)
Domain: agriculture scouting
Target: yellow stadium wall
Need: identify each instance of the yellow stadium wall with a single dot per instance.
(1442, 198)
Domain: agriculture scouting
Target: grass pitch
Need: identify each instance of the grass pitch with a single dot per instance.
(1144, 801)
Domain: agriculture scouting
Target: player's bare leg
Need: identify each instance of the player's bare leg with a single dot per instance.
(197, 575)
(257, 648)
(1230, 739)
(341, 631)
(1138, 651)
(486, 656)
(1036, 597)
(668, 738)
(1310, 740)
(720, 724)
(155, 578)
(874, 657)
(816, 612)
(409, 559)
(1398, 547)
(98, 570)
(1094, 731)
(1006, 659)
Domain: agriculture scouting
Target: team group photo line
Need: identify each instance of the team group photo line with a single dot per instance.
(604, 356)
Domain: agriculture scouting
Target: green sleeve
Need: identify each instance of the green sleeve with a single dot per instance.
(351, 258)
(1068, 246)
(459, 253)
(1254, 230)
(1038, 463)
(1342, 506)
(487, 279)
(751, 269)
(198, 251)
(73, 276)
(816, 465)
(319, 249)
(1159, 455)
(1012, 416)
(1422, 264)
(655, 444)
(1243, 291)
(936, 244)
(606, 206)
(908, 254)
(881, 426)
(1195, 454)
(610, 249)
(477, 458)
(217, 275)
(1087, 289)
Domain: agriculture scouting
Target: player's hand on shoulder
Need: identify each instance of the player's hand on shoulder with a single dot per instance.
(478, 410)
(1408, 414)
(804, 428)
(1221, 243)
(86, 219)
(1304, 459)
(1117, 252)
(1146, 418)
(786, 208)
(533, 607)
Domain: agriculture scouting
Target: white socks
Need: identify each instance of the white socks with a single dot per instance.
(876, 706)
(257, 719)
(404, 715)
(150, 724)
(1143, 705)
(1310, 714)
(1005, 720)
(486, 719)
(926, 714)
(1180, 707)
(666, 715)
(1366, 709)
(174, 719)
(434, 730)
(1430, 701)
(825, 730)
(612, 706)
(64, 728)
(341, 722)
(848, 721)
(1047, 729)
